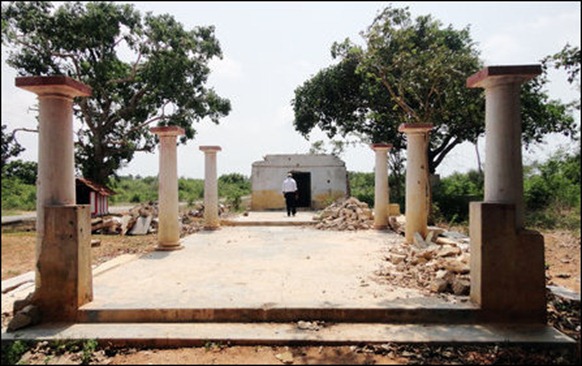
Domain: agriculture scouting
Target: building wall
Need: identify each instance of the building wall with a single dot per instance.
(328, 179)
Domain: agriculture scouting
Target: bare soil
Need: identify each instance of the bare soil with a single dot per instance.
(562, 254)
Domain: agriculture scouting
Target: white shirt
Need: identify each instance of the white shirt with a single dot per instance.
(289, 185)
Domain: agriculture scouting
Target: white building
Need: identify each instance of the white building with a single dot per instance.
(321, 179)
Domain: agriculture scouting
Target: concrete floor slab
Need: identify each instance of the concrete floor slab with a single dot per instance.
(260, 267)
(251, 284)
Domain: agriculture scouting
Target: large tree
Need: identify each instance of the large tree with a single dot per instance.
(10, 147)
(412, 71)
(144, 71)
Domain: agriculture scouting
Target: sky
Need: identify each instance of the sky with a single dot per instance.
(271, 48)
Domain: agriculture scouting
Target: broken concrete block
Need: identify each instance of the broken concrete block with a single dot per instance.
(142, 225)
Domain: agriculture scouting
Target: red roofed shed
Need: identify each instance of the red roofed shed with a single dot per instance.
(91, 193)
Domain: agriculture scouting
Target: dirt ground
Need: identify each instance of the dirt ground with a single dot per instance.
(562, 268)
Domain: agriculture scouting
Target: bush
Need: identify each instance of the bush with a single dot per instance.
(552, 192)
(451, 196)
(232, 187)
(17, 195)
(362, 186)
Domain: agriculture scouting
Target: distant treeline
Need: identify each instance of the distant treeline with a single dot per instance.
(551, 190)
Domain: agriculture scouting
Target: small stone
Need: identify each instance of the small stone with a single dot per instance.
(461, 287)
(285, 357)
(439, 285)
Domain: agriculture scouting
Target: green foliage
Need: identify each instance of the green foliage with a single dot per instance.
(413, 71)
(89, 347)
(233, 187)
(568, 59)
(13, 351)
(134, 190)
(26, 171)
(452, 194)
(143, 70)
(18, 195)
(190, 190)
(362, 186)
(10, 147)
(552, 192)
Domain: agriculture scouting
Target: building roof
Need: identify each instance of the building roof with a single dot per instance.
(102, 190)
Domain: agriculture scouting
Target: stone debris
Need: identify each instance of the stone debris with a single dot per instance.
(285, 357)
(439, 265)
(305, 325)
(397, 223)
(143, 219)
(346, 214)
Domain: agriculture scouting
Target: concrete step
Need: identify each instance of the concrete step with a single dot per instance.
(412, 314)
(199, 334)
(238, 222)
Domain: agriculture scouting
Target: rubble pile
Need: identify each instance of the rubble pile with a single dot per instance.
(348, 214)
(439, 263)
(143, 219)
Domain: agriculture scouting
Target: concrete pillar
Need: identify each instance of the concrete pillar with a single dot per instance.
(381, 189)
(55, 185)
(417, 183)
(211, 220)
(65, 262)
(503, 161)
(168, 215)
(507, 261)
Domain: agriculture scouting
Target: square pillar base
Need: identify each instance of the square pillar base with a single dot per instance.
(507, 266)
(64, 263)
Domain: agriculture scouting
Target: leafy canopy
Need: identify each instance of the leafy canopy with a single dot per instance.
(144, 71)
(412, 71)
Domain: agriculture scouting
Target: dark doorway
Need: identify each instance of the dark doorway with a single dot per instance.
(304, 188)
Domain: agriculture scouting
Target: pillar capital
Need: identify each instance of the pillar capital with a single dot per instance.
(167, 130)
(209, 148)
(381, 146)
(415, 127)
(496, 75)
(58, 85)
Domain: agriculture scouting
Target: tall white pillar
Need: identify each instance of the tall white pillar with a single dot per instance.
(55, 185)
(508, 280)
(381, 189)
(211, 220)
(168, 215)
(503, 158)
(417, 183)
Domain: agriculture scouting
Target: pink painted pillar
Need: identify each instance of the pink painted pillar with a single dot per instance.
(211, 220)
(503, 160)
(55, 185)
(168, 215)
(381, 189)
(417, 183)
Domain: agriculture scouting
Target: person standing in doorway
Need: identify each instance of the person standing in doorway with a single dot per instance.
(290, 192)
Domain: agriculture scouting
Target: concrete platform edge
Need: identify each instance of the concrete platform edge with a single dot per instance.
(188, 334)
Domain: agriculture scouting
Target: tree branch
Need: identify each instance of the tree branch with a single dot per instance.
(397, 98)
(440, 156)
